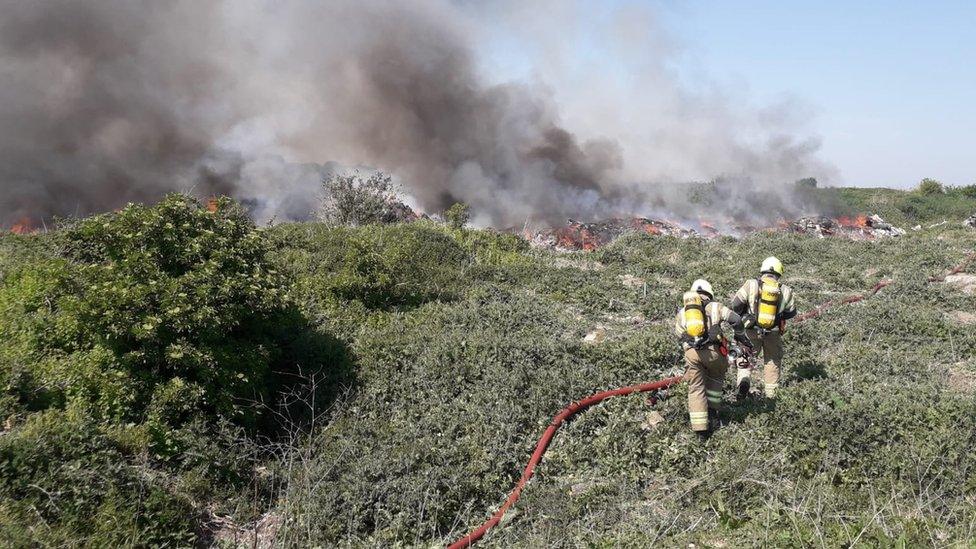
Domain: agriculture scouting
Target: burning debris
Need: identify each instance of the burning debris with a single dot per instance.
(862, 227)
(23, 226)
(577, 235)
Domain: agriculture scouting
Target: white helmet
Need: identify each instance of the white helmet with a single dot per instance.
(703, 287)
(772, 265)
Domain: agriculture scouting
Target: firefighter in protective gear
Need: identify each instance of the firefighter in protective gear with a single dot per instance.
(765, 304)
(698, 325)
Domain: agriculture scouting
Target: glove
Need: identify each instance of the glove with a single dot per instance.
(741, 339)
(748, 321)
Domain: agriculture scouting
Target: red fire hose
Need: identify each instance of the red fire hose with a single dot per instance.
(543, 443)
(580, 405)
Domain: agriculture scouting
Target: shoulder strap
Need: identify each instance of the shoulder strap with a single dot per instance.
(708, 318)
(755, 302)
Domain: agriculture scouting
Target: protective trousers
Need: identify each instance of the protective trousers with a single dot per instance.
(705, 373)
(771, 345)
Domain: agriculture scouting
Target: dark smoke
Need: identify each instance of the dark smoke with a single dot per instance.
(105, 102)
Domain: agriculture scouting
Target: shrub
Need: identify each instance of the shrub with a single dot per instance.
(353, 199)
(929, 187)
(132, 367)
(64, 479)
(967, 191)
(375, 268)
(457, 216)
(171, 303)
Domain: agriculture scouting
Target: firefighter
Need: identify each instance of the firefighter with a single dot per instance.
(698, 325)
(765, 304)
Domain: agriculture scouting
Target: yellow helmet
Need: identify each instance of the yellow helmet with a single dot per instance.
(703, 287)
(772, 265)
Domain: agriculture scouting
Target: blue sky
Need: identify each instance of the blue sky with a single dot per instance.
(890, 85)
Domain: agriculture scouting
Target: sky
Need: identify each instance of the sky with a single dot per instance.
(887, 86)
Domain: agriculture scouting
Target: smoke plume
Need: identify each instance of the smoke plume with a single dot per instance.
(105, 102)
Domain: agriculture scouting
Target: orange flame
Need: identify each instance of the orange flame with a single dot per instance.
(645, 225)
(212, 204)
(859, 222)
(708, 228)
(23, 226)
(577, 237)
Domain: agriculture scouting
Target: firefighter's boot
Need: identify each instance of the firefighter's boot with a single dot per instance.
(743, 382)
(713, 420)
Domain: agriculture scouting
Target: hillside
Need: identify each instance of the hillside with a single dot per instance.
(384, 385)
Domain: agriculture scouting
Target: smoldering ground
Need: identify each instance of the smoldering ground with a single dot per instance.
(105, 102)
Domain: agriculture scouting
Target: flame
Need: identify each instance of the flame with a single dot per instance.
(645, 225)
(577, 236)
(708, 228)
(859, 222)
(23, 226)
(212, 204)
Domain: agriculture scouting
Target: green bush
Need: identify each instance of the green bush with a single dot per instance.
(458, 215)
(152, 307)
(66, 481)
(140, 357)
(348, 273)
(966, 191)
(928, 187)
(354, 200)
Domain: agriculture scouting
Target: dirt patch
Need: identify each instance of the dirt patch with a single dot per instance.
(596, 337)
(635, 319)
(631, 281)
(962, 378)
(652, 420)
(963, 281)
(964, 318)
(259, 534)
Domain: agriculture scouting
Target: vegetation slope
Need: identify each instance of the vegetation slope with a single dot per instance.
(173, 373)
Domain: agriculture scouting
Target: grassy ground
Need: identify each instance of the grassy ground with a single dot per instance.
(451, 350)
(868, 442)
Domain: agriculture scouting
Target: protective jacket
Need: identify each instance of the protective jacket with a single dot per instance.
(747, 300)
(715, 314)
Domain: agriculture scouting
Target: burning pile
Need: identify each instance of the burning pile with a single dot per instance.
(577, 235)
(862, 227)
(23, 226)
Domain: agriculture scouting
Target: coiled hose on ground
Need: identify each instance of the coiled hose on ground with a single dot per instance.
(581, 405)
